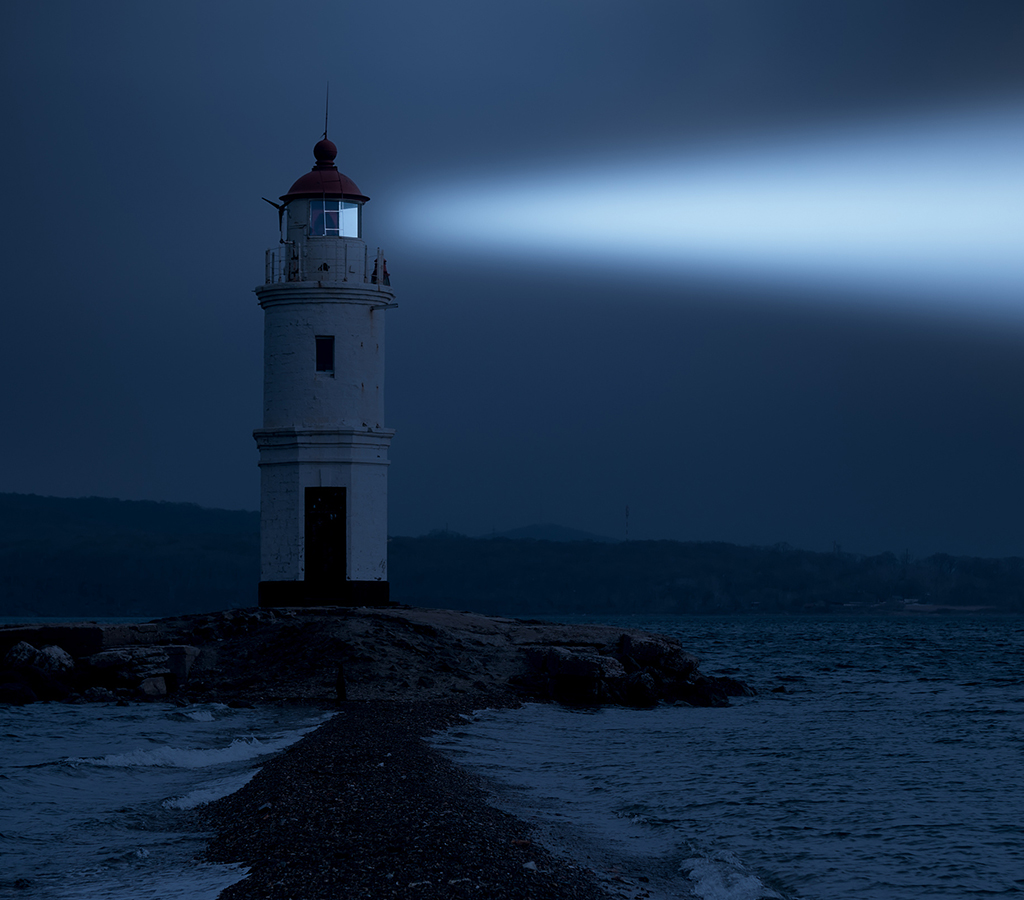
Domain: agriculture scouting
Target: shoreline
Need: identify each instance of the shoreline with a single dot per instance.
(363, 807)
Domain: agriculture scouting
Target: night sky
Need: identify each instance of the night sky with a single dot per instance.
(753, 269)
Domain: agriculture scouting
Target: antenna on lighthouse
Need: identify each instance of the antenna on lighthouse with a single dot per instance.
(327, 108)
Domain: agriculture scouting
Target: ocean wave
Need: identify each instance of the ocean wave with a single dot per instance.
(721, 876)
(239, 750)
(210, 792)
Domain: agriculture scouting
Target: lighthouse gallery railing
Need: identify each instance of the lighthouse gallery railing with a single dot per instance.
(330, 260)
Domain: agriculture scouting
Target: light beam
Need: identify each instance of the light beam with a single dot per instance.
(929, 210)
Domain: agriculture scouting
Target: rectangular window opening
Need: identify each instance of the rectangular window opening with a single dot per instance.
(325, 354)
(334, 218)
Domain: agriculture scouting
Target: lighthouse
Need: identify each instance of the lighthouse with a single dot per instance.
(323, 446)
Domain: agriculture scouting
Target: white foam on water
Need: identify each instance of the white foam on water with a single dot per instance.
(210, 792)
(721, 876)
(95, 797)
(240, 750)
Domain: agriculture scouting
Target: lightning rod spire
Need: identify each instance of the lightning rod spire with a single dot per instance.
(327, 108)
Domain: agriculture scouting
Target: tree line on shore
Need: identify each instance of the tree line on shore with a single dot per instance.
(101, 557)
(710, 578)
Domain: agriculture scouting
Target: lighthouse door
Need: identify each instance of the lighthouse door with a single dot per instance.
(325, 541)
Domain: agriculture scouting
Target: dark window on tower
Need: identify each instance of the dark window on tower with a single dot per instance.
(325, 354)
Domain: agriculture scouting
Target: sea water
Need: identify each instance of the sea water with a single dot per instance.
(890, 768)
(94, 797)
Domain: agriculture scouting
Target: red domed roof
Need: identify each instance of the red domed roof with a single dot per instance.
(325, 180)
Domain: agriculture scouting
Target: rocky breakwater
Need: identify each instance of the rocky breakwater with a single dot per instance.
(92, 662)
(322, 654)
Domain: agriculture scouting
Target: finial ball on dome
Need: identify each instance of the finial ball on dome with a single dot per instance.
(325, 151)
(324, 179)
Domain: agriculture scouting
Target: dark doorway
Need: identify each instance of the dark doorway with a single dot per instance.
(325, 540)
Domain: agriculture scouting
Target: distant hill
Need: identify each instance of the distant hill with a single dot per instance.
(550, 532)
(25, 515)
(99, 557)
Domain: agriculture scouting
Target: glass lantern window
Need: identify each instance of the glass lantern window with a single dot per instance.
(333, 218)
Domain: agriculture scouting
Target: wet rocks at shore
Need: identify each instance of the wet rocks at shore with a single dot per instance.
(326, 654)
(28, 674)
(635, 670)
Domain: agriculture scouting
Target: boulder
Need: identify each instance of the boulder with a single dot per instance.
(21, 654)
(561, 661)
(24, 665)
(573, 678)
(644, 670)
(153, 686)
(680, 665)
(644, 651)
(152, 671)
(702, 691)
(114, 668)
(587, 679)
(55, 660)
(640, 690)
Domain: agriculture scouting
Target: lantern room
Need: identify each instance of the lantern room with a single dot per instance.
(321, 226)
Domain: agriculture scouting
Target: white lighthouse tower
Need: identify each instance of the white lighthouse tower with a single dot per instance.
(323, 445)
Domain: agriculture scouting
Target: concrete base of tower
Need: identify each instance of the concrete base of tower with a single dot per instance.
(304, 593)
